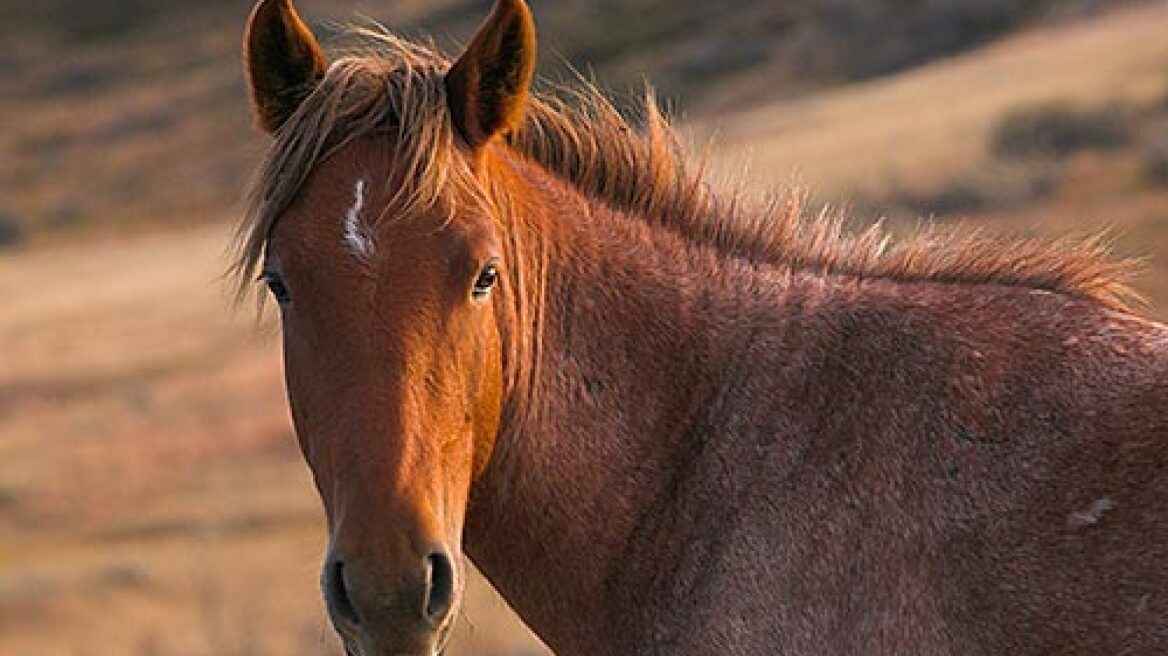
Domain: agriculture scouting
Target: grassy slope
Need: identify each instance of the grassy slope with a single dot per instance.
(928, 127)
(116, 104)
(930, 123)
(151, 498)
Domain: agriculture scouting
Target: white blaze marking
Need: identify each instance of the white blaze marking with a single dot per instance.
(357, 236)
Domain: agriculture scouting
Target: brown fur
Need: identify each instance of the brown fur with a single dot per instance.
(686, 425)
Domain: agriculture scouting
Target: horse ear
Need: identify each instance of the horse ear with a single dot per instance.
(283, 60)
(487, 87)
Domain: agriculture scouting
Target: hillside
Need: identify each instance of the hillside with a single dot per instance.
(110, 107)
(919, 146)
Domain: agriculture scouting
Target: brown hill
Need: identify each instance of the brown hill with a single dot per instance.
(127, 114)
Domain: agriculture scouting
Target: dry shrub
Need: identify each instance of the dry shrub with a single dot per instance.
(11, 232)
(1001, 186)
(1156, 161)
(1058, 129)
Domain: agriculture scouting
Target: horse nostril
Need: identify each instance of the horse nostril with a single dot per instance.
(337, 593)
(440, 591)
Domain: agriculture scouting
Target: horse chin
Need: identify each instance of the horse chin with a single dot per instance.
(354, 648)
(434, 644)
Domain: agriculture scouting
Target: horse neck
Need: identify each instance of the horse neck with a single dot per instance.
(640, 331)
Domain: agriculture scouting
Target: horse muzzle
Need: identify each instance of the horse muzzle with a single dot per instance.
(409, 612)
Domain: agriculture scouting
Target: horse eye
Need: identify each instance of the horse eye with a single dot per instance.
(277, 287)
(486, 280)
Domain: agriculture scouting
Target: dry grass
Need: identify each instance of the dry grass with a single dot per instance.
(105, 93)
(928, 124)
(928, 129)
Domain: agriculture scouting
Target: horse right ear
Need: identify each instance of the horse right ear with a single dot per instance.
(283, 61)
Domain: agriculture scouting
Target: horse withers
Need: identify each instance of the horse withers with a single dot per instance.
(664, 419)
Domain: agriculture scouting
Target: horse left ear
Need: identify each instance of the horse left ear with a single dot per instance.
(487, 87)
(283, 61)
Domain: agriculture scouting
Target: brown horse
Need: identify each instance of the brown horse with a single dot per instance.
(663, 419)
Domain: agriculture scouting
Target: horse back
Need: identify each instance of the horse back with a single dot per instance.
(1068, 552)
(933, 474)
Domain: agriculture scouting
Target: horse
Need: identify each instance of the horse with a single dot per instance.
(665, 417)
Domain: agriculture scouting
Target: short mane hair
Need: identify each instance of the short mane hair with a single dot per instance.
(639, 167)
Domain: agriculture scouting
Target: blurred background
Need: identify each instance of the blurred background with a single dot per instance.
(152, 499)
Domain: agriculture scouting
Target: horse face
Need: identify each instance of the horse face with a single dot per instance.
(394, 376)
(392, 347)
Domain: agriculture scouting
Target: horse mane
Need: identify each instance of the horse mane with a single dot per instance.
(392, 85)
